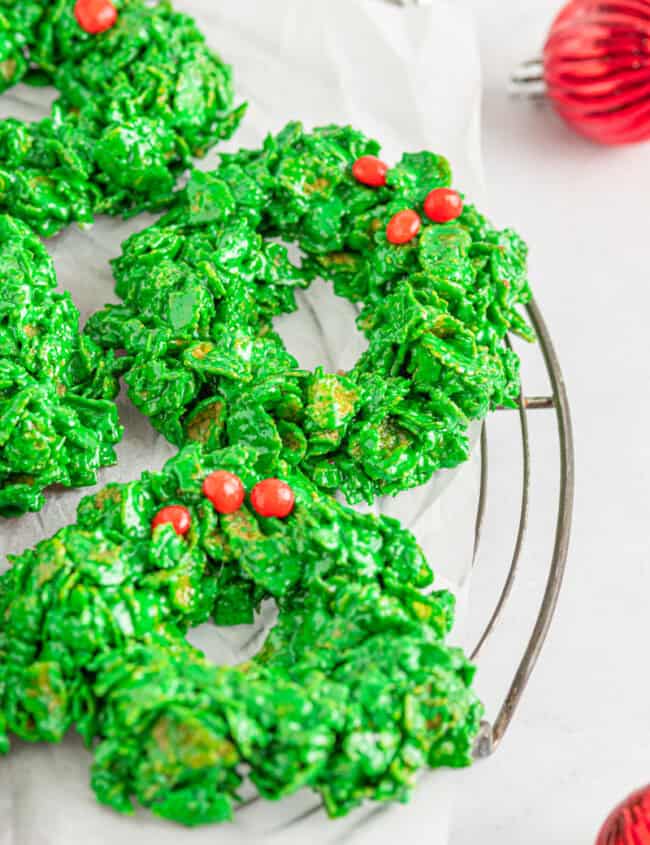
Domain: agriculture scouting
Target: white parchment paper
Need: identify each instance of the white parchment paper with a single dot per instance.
(410, 77)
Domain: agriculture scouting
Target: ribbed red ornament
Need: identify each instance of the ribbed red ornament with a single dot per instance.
(629, 823)
(597, 68)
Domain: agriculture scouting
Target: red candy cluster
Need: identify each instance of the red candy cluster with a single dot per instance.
(441, 205)
(95, 16)
(225, 490)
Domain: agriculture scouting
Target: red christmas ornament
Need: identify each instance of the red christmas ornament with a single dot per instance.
(629, 822)
(596, 67)
(225, 491)
(442, 205)
(370, 170)
(272, 497)
(403, 226)
(175, 515)
(95, 16)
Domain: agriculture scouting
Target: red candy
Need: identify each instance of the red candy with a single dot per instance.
(442, 205)
(175, 515)
(370, 170)
(225, 491)
(272, 497)
(403, 227)
(95, 16)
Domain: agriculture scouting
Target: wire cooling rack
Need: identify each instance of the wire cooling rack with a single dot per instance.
(557, 402)
(298, 818)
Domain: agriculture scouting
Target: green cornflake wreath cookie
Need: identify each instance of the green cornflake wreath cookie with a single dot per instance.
(201, 286)
(140, 93)
(353, 692)
(58, 424)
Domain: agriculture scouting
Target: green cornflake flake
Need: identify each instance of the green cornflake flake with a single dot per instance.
(202, 285)
(135, 105)
(353, 692)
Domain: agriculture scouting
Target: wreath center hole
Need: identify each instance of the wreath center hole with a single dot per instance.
(322, 331)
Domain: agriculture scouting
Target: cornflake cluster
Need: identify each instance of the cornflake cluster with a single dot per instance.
(201, 286)
(136, 103)
(354, 691)
(58, 424)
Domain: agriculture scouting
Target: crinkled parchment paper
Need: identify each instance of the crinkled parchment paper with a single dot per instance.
(409, 77)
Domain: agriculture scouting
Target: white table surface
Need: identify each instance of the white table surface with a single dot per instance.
(581, 739)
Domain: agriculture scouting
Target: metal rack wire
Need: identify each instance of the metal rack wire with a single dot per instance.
(492, 732)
